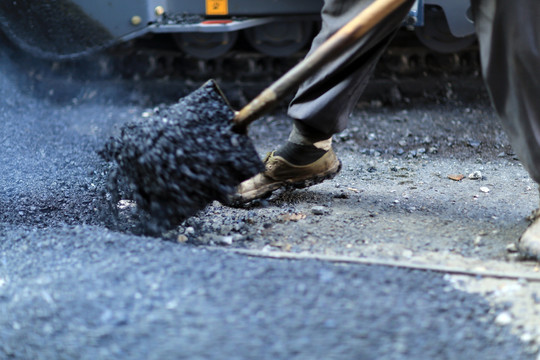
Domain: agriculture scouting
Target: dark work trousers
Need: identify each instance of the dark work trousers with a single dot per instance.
(323, 103)
(509, 37)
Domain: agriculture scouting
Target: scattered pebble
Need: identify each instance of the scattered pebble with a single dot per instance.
(182, 238)
(477, 240)
(526, 338)
(407, 254)
(503, 319)
(341, 195)
(477, 175)
(511, 248)
(225, 240)
(318, 210)
(473, 143)
(484, 189)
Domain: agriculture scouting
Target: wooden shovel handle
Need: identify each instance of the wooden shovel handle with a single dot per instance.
(341, 41)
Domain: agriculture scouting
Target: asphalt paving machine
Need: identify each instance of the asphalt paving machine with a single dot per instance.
(204, 29)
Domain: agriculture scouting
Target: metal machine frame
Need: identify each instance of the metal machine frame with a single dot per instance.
(123, 20)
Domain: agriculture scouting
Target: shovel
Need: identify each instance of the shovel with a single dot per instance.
(341, 41)
(191, 153)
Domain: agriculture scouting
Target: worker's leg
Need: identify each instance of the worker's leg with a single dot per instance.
(322, 104)
(509, 36)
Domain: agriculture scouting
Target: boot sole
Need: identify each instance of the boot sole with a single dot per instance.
(287, 184)
(301, 184)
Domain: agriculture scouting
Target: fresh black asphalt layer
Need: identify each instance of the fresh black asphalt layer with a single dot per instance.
(72, 287)
(85, 292)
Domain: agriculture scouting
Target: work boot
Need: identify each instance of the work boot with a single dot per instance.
(529, 243)
(292, 166)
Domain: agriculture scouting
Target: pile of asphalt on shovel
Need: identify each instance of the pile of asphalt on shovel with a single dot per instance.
(172, 161)
(177, 159)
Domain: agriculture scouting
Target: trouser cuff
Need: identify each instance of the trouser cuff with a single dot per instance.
(305, 135)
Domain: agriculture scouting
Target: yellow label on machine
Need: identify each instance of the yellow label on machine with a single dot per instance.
(217, 7)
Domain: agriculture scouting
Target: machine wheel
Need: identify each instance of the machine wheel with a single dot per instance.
(202, 45)
(280, 39)
(436, 35)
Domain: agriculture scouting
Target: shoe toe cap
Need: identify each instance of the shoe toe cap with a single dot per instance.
(529, 243)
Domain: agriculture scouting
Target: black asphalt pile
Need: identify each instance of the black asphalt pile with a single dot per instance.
(180, 158)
